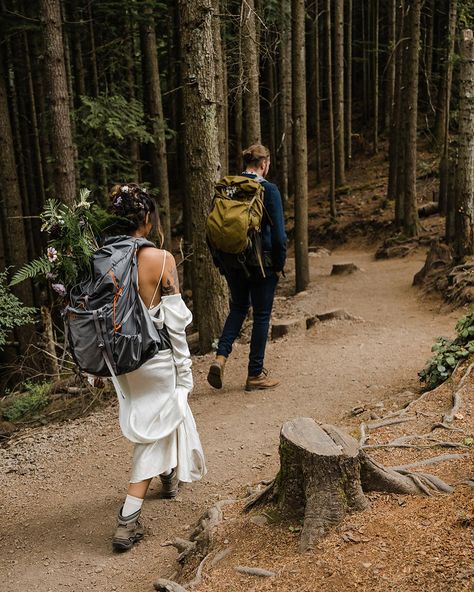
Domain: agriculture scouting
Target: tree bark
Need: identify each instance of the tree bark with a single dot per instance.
(62, 149)
(410, 209)
(154, 104)
(221, 95)
(348, 85)
(376, 89)
(339, 92)
(284, 103)
(444, 89)
(14, 228)
(395, 148)
(442, 135)
(200, 137)
(329, 90)
(464, 217)
(250, 70)
(300, 149)
(391, 63)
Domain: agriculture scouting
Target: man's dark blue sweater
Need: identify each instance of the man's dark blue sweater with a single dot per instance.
(274, 237)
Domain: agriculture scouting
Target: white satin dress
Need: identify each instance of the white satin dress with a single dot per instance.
(154, 411)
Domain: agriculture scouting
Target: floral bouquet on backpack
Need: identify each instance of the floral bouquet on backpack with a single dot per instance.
(72, 231)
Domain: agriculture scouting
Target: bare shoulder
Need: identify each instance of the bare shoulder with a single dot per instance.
(170, 281)
(150, 255)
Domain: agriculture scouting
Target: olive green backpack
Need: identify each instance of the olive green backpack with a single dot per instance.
(234, 224)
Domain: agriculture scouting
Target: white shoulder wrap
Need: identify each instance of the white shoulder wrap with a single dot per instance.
(176, 317)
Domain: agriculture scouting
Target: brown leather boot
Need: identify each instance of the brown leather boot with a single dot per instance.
(170, 485)
(215, 376)
(260, 382)
(129, 531)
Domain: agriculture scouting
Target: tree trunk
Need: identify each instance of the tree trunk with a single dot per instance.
(444, 89)
(159, 161)
(221, 95)
(464, 217)
(284, 103)
(376, 88)
(395, 150)
(410, 209)
(200, 137)
(339, 92)
(250, 69)
(133, 145)
(93, 54)
(15, 238)
(348, 85)
(300, 149)
(62, 149)
(332, 154)
(391, 64)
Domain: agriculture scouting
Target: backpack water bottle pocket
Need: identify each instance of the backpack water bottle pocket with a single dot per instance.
(127, 352)
(84, 343)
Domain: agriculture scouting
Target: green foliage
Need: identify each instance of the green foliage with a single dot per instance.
(34, 399)
(12, 312)
(72, 232)
(105, 126)
(40, 266)
(449, 352)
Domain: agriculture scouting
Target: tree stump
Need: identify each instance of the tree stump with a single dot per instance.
(343, 268)
(323, 474)
(319, 479)
(283, 327)
(438, 260)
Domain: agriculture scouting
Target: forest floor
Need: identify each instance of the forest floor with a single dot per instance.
(64, 482)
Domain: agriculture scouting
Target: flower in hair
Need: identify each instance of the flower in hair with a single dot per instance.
(125, 188)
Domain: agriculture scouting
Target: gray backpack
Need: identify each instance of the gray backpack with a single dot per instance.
(108, 327)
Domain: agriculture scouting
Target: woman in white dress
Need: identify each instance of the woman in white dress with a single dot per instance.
(154, 411)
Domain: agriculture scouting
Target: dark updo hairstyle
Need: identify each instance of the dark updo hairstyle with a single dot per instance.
(133, 207)
(253, 155)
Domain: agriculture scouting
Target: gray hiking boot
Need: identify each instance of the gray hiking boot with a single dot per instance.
(170, 485)
(129, 531)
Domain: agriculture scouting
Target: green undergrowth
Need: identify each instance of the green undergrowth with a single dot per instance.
(32, 400)
(448, 353)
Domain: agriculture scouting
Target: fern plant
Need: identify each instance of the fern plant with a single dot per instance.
(72, 232)
(12, 312)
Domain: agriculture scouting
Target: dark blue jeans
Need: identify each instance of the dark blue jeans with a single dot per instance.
(245, 291)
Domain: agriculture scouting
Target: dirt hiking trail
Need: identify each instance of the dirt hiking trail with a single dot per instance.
(63, 483)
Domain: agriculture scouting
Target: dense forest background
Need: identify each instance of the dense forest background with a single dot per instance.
(94, 93)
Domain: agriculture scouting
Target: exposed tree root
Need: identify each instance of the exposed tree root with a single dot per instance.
(430, 461)
(198, 546)
(375, 477)
(164, 585)
(255, 571)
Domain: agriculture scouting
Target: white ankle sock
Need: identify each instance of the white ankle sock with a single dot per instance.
(131, 505)
(166, 473)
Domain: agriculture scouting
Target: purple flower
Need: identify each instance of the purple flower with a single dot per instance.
(52, 254)
(117, 200)
(60, 289)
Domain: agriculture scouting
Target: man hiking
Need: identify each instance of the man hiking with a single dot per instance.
(252, 275)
